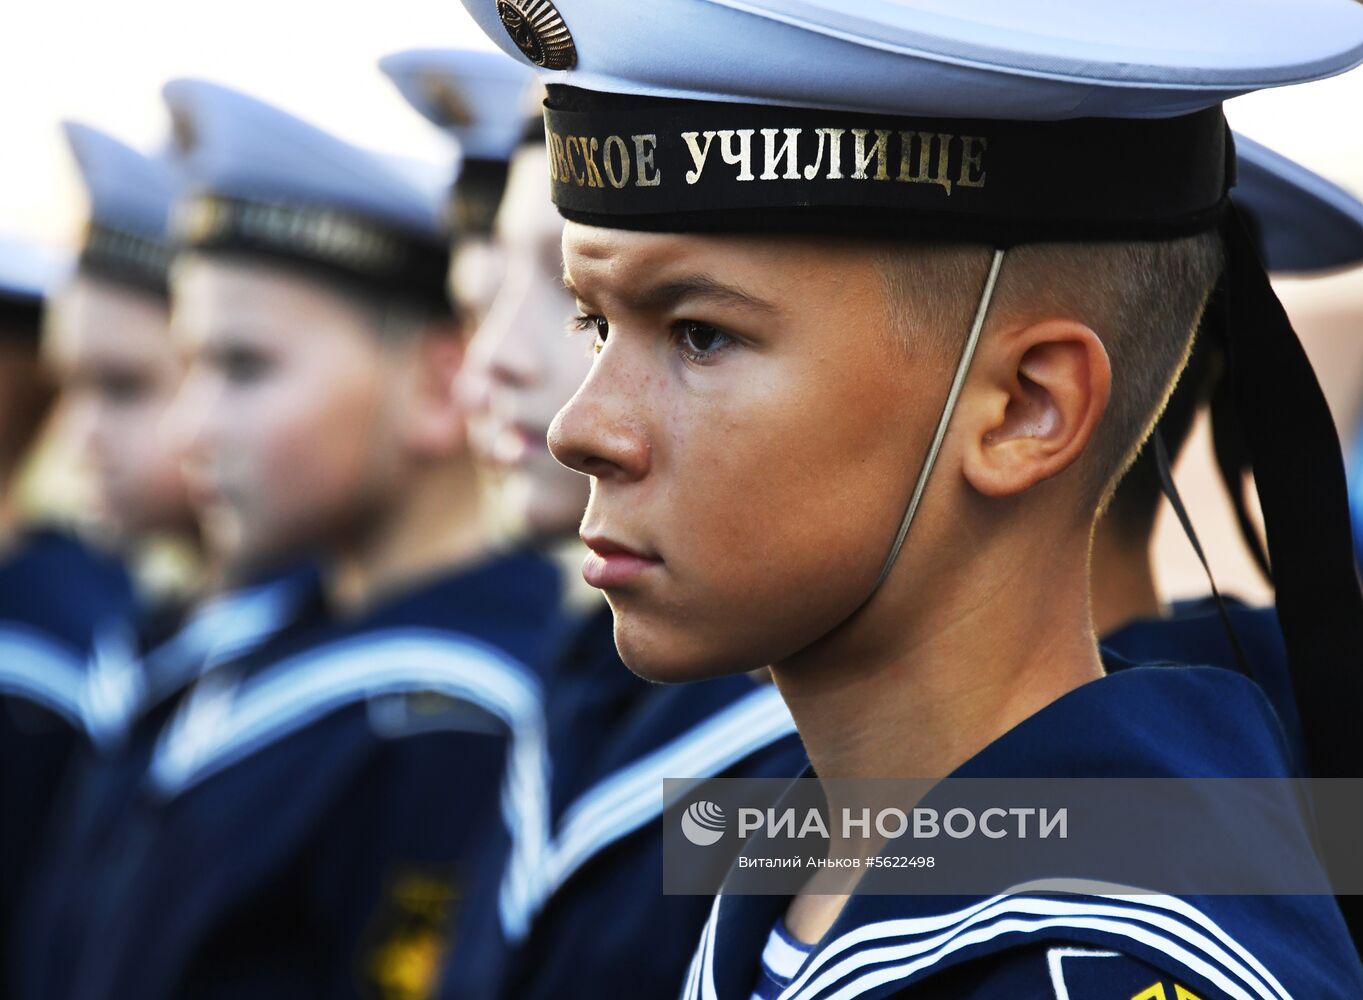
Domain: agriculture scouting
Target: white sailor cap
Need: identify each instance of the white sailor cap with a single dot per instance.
(130, 194)
(960, 58)
(1303, 222)
(984, 121)
(1068, 120)
(479, 98)
(260, 181)
(28, 272)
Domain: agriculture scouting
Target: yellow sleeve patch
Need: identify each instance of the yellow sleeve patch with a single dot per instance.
(1157, 992)
(411, 939)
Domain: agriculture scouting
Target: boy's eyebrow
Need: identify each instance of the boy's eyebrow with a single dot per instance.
(661, 298)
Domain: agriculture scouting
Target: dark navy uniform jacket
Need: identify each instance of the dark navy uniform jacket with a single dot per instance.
(1145, 722)
(592, 916)
(54, 592)
(136, 670)
(304, 813)
(1194, 633)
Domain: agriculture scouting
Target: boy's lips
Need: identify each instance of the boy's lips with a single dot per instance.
(612, 564)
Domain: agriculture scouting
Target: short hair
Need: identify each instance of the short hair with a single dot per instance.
(1135, 502)
(1143, 299)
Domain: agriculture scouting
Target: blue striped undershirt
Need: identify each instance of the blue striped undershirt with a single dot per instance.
(781, 960)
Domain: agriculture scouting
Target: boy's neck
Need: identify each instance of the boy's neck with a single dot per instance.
(435, 524)
(914, 689)
(971, 658)
(1123, 579)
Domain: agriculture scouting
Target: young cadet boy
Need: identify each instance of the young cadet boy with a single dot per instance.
(43, 572)
(303, 817)
(109, 337)
(1303, 225)
(53, 589)
(612, 737)
(780, 369)
(106, 341)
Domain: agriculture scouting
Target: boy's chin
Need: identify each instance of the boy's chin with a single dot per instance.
(675, 658)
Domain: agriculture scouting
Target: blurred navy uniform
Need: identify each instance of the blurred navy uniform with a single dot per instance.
(976, 127)
(480, 100)
(1303, 225)
(298, 830)
(131, 690)
(140, 655)
(560, 931)
(300, 825)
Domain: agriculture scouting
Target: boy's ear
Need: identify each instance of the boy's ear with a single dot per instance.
(436, 426)
(1042, 391)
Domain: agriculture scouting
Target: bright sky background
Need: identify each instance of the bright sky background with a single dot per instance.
(104, 62)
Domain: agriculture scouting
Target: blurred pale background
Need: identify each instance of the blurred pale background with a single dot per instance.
(105, 62)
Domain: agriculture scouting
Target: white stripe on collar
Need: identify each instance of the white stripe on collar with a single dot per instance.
(1055, 958)
(913, 958)
(629, 799)
(223, 629)
(1123, 904)
(289, 695)
(1118, 915)
(36, 667)
(121, 684)
(114, 685)
(292, 694)
(780, 955)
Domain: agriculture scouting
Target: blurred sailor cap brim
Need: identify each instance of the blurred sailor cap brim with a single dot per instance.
(1304, 222)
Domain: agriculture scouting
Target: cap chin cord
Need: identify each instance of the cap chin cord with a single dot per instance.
(948, 408)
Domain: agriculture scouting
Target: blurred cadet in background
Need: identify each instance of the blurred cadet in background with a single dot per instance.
(109, 339)
(299, 827)
(480, 104)
(1304, 225)
(53, 588)
(556, 930)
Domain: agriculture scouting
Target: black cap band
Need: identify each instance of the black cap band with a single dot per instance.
(391, 261)
(477, 194)
(694, 166)
(126, 258)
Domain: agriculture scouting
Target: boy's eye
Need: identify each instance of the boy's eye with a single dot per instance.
(242, 366)
(701, 341)
(595, 324)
